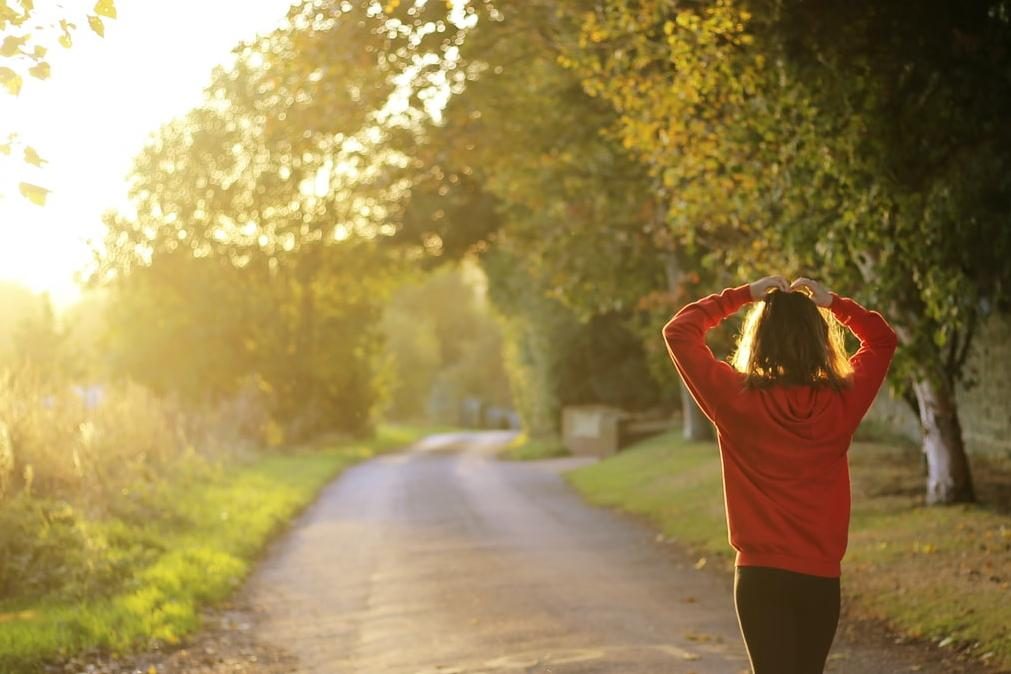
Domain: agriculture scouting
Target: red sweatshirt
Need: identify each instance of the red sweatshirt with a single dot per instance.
(785, 473)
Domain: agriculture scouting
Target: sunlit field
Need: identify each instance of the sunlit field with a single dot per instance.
(246, 246)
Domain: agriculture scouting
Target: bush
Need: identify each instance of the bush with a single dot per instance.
(47, 548)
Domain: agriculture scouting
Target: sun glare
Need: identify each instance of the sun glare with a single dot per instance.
(92, 116)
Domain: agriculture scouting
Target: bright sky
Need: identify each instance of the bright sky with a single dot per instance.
(93, 115)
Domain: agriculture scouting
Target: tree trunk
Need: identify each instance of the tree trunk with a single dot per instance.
(695, 425)
(949, 479)
(306, 414)
(948, 476)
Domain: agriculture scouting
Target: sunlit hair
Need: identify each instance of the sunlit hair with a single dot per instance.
(789, 340)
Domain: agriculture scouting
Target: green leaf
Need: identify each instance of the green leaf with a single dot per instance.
(96, 25)
(10, 80)
(32, 157)
(106, 8)
(40, 70)
(33, 193)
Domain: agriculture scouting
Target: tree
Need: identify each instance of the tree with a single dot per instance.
(445, 343)
(517, 168)
(932, 184)
(556, 359)
(864, 140)
(256, 216)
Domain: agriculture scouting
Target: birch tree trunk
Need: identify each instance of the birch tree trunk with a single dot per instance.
(948, 477)
(694, 426)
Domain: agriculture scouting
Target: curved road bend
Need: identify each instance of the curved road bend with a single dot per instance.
(443, 560)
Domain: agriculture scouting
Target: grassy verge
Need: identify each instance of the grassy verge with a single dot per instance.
(191, 544)
(524, 448)
(936, 573)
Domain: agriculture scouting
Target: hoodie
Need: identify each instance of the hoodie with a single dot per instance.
(783, 449)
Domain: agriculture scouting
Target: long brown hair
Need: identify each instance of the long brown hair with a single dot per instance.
(789, 340)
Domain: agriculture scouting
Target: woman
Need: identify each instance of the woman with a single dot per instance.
(785, 413)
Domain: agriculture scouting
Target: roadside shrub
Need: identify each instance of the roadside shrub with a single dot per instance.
(46, 547)
(99, 447)
(87, 478)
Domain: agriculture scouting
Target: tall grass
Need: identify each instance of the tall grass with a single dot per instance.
(57, 442)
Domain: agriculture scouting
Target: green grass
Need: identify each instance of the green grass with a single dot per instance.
(208, 532)
(524, 448)
(939, 573)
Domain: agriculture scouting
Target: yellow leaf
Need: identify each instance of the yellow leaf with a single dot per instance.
(32, 157)
(106, 8)
(152, 670)
(10, 80)
(12, 45)
(96, 25)
(33, 193)
(40, 70)
(66, 27)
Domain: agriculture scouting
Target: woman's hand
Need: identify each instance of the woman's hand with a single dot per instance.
(819, 293)
(760, 287)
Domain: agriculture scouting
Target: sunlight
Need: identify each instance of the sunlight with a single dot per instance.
(94, 114)
(89, 120)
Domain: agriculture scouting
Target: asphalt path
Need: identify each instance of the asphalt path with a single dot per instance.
(444, 560)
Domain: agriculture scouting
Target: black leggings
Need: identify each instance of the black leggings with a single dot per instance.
(788, 619)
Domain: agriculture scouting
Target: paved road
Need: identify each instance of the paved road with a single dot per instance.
(444, 561)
